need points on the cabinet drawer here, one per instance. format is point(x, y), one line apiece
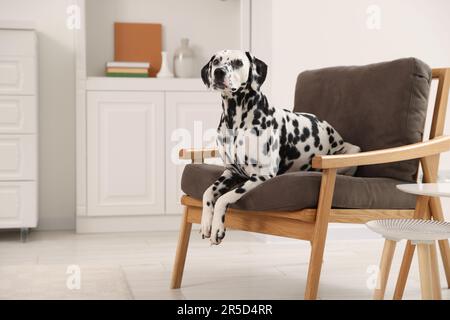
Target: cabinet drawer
point(18, 43)
point(17, 75)
point(18, 157)
point(18, 114)
point(18, 205)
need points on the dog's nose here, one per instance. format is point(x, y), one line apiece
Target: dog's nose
point(219, 74)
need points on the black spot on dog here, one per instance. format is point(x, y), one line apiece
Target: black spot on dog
point(230, 113)
point(290, 138)
point(314, 128)
point(236, 64)
point(240, 190)
point(275, 123)
point(307, 148)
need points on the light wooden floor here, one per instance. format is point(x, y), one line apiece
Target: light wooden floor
point(138, 266)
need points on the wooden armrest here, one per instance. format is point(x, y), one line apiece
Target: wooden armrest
point(198, 155)
point(408, 152)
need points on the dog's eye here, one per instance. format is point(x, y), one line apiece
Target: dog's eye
point(216, 62)
point(236, 63)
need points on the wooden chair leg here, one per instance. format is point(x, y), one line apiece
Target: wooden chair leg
point(180, 257)
point(385, 267)
point(404, 270)
point(435, 273)
point(320, 233)
point(426, 281)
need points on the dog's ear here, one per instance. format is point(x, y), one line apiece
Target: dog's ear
point(205, 73)
point(258, 72)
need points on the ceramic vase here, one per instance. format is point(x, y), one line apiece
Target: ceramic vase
point(164, 72)
point(184, 60)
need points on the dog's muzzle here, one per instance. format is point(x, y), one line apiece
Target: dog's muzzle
point(219, 78)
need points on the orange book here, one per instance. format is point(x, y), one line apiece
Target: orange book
point(139, 42)
point(126, 70)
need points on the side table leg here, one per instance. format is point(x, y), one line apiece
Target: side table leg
point(435, 273)
point(404, 270)
point(426, 281)
point(385, 267)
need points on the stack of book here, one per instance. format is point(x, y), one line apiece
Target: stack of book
point(127, 69)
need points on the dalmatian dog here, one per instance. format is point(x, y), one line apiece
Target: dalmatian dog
point(256, 141)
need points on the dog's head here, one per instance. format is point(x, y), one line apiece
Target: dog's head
point(230, 70)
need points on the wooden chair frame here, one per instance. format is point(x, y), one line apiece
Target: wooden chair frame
point(312, 224)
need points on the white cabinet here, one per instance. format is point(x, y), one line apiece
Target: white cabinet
point(125, 143)
point(18, 129)
point(191, 121)
point(134, 131)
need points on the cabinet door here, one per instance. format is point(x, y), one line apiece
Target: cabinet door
point(125, 165)
point(191, 122)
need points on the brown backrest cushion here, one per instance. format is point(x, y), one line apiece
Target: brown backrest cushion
point(376, 106)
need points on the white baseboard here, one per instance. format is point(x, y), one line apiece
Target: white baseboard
point(127, 224)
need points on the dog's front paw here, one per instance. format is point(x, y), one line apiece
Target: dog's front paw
point(207, 217)
point(217, 229)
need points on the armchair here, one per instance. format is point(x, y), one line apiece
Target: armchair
point(395, 92)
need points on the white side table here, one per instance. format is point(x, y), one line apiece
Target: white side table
point(422, 233)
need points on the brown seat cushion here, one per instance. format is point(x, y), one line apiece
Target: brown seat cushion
point(300, 190)
point(376, 106)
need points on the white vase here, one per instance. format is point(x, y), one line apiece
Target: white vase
point(164, 72)
point(184, 61)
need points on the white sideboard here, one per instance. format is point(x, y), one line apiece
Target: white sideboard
point(18, 129)
point(134, 129)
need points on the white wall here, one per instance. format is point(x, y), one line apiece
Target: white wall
point(314, 34)
point(211, 25)
point(57, 107)
point(261, 38)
